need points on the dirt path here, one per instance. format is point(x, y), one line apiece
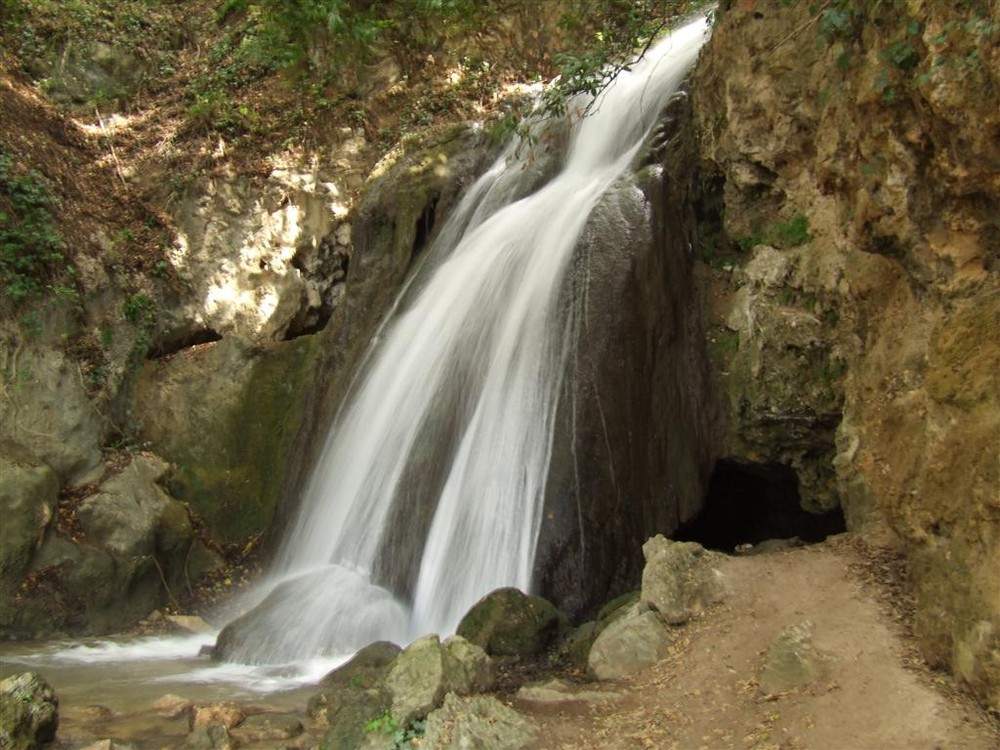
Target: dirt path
point(875, 693)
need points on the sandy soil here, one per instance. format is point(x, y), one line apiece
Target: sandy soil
point(875, 694)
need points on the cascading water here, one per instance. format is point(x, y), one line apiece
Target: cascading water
point(470, 364)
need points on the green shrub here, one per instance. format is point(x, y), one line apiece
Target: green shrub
point(32, 263)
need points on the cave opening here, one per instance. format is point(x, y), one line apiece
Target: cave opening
point(747, 504)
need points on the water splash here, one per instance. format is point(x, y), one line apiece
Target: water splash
point(450, 424)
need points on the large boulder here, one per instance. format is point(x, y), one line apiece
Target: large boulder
point(427, 670)
point(477, 723)
point(680, 579)
point(633, 641)
point(29, 712)
point(508, 622)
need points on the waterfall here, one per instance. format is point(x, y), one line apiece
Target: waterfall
point(452, 413)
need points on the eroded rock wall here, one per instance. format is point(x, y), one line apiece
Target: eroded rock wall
point(854, 321)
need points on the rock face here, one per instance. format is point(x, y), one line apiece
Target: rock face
point(28, 498)
point(29, 712)
point(854, 328)
point(636, 428)
point(508, 622)
point(132, 547)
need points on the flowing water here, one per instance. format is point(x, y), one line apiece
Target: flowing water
point(445, 440)
point(470, 364)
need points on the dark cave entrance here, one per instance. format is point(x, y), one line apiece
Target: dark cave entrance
point(752, 503)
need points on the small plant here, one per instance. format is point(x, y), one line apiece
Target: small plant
point(32, 263)
point(787, 234)
point(402, 737)
point(384, 724)
point(139, 309)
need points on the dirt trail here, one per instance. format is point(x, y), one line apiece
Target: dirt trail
point(876, 694)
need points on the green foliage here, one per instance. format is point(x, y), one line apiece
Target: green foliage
point(32, 264)
point(782, 234)
point(139, 309)
point(402, 737)
point(621, 31)
point(384, 724)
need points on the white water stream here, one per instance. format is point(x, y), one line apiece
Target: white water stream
point(470, 363)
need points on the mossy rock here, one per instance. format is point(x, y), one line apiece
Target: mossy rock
point(508, 622)
point(365, 669)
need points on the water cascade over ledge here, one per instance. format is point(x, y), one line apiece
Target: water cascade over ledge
point(449, 423)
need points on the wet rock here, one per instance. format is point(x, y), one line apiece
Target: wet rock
point(29, 712)
point(633, 641)
point(680, 579)
point(213, 736)
point(365, 668)
point(792, 660)
point(508, 622)
point(427, 670)
point(171, 706)
point(364, 672)
point(226, 713)
point(477, 723)
point(226, 415)
point(261, 727)
point(350, 718)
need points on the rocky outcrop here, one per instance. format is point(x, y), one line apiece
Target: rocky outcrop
point(852, 323)
point(120, 551)
point(29, 712)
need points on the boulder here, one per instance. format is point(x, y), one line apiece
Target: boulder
point(633, 641)
point(792, 660)
point(508, 622)
point(427, 670)
point(477, 723)
point(364, 672)
point(680, 579)
point(365, 668)
point(29, 712)
point(352, 717)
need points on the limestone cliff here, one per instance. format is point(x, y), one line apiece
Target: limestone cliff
point(853, 150)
